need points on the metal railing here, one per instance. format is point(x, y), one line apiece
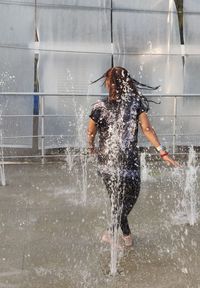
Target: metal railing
point(42, 116)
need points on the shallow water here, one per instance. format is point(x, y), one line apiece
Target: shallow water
point(50, 233)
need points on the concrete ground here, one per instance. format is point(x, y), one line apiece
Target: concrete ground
point(52, 217)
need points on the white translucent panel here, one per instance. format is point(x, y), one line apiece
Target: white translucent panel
point(163, 70)
point(15, 2)
point(18, 78)
point(162, 120)
point(192, 34)
point(145, 33)
point(71, 129)
point(16, 70)
point(188, 125)
point(87, 3)
point(71, 72)
point(163, 125)
point(191, 74)
point(18, 24)
point(68, 121)
point(154, 5)
point(58, 129)
point(191, 5)
point(166, 141)
point(51, 142)
point(15, 128)
point(188, 140)
point(188, 106)
point(74, 29)
point(165, 108)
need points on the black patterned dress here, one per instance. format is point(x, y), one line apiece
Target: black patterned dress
point(118, 158)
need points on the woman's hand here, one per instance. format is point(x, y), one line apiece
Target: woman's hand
point(169, 160)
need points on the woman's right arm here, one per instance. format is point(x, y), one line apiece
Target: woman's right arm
point(151, 136)
point(91, 132)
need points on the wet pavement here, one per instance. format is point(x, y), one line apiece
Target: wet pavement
point(52, 219)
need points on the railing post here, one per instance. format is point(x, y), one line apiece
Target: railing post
point(174, 125)
point(42, 128)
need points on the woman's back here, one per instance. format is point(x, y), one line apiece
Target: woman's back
point(117, 124)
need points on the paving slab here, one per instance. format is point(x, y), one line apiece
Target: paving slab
point(52, 219)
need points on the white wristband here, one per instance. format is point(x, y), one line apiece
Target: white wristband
point(159, 148)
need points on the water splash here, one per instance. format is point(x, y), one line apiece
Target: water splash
point(2, 168)
point(145, 176)
point(80, 119)
point(2, 172)
point(169, 43)
point(84, 177)
point(69, 158)
point(3, 107)
point(80, 114)
point(114, 253)
point(186, 207)
point(190, 185)
point(170, 19)
point(115, 247)
point(6, 80)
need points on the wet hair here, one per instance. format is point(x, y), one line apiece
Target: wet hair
point(121, 83)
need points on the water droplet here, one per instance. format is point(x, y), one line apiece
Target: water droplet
point(184, 270)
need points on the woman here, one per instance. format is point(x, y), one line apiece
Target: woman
point(116, 121)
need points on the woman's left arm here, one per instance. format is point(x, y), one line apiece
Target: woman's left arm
point(151, 136)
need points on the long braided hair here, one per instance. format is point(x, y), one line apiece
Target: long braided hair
point(121, 83)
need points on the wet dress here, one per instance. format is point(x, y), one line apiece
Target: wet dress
point(118, 158)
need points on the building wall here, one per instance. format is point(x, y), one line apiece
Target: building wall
point(75, 42)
